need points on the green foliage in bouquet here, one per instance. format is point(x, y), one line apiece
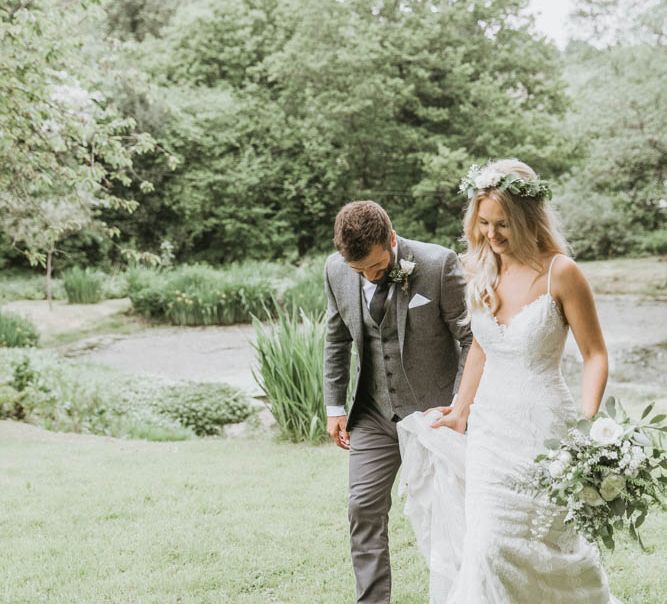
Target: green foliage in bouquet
point(605, 474)
point(206, 408)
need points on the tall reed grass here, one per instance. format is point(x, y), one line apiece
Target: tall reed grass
point(83, 286)
point(290, 352)
point(16, 331)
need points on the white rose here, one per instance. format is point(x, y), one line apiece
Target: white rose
point(488, 179)
point(606, 431)
point(612, 486)
point(638, 454)
point(556, 468)
point(565, 458)
point(406, 266)
point(590, 496)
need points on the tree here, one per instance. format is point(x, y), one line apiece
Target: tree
point(614, 198)
point(65, 148)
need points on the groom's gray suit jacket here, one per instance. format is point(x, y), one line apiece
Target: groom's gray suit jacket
point(430, 360)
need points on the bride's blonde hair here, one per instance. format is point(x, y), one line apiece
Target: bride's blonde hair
point(534, 232)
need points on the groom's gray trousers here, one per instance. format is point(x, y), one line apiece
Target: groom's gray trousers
point(374, 461)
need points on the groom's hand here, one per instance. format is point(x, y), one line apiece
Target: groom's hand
point(337, 429)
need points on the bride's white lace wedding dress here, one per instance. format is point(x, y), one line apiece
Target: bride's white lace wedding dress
point(473, 527)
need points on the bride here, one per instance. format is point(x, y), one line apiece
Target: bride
point(484, 541)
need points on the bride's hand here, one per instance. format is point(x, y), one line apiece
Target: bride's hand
point(442, 410)
point(451, 418)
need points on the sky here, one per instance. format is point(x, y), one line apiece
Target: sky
point(551, 18)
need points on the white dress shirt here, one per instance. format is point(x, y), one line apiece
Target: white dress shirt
point(368, 288)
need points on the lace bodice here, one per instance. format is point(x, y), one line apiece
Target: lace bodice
point(534, 337)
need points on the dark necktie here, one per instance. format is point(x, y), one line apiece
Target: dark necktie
point(376, 307)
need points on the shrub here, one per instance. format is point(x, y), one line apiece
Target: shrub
point(206, 408)
point(146, 289)
point(307, 292)
point(290, 354)
point(57, 395)
point(200, 295)
point(115, 286)
point(83, 286)
point(26, 286)
point(16, 331)
point(654, 243)
point(594, 227)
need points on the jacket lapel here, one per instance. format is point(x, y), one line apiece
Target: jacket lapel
point(403, 297)
point(356, 319)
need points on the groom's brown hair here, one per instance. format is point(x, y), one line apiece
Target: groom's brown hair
point(359, 226)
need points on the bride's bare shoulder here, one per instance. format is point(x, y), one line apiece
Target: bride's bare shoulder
point(567, 277)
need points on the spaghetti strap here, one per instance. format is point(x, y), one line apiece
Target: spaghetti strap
point(551, 265)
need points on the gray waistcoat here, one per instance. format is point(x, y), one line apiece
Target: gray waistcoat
point(382, 381)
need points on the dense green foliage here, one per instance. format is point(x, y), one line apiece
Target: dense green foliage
point(16, 331)
point(614, 200)
point(276, 112)
point(205, 408)
point(282, 111)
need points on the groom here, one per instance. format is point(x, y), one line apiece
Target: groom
point(399, 302)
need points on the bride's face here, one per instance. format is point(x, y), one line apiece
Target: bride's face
point(493, 225)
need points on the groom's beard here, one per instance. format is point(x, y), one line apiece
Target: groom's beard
point(384, 277)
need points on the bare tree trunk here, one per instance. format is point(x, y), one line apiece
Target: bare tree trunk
point(49, 267)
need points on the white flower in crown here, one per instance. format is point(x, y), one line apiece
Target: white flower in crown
point(606, 431)
point(407, 266)
point(487, 179)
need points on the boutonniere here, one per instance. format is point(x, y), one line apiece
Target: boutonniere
point(401, 273)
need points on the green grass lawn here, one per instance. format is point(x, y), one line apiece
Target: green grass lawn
point(94, 519)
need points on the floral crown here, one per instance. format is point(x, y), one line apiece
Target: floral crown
point(487, 178)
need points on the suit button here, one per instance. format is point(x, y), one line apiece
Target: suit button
point(386, 357)
point(392, 390)
point(389, 374)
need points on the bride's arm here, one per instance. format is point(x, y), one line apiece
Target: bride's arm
point(572, 291)
point(457, 416)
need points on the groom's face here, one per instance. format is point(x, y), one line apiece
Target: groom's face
point(379, 260)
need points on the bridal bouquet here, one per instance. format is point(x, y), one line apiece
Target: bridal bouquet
point(604, 474)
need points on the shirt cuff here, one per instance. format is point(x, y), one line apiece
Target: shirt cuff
point(335, 411)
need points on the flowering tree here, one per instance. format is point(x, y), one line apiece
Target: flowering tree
point(65, 150)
